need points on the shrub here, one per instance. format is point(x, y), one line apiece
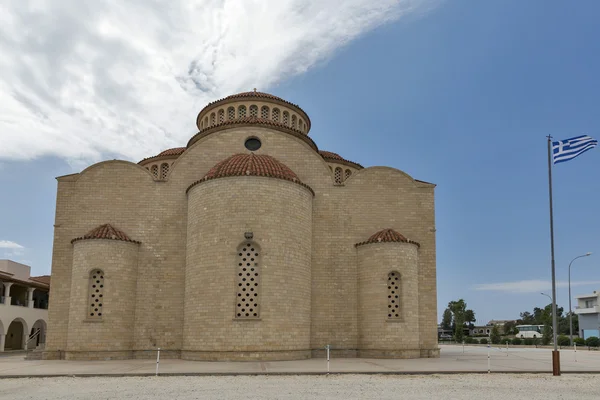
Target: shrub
point(517, 341)
point(579, 341)
point(475, 340)
point(563, 340)
point(528, 341)
point(505, 339)
point(483, 341)
point(469, 340)
point(592, 341)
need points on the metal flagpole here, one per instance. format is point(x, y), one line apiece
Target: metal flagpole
point(555, 353)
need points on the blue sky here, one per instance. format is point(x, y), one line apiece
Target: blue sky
point(459, 93)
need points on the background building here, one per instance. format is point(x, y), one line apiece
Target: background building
point(23, 307)
point(588, 311)
point(248, 243)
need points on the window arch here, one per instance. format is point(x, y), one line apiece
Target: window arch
point(231, 113)
point(241, 111)
point(264, 112)
point(254, 110)
point(338, 175)
point(347, 174)
point(206, 121)
point(276, 114)
point(96, 294)
point(202, 124)
point(300, 123)
point(164, 170)
point(247, 275)
point(212, 119)
point(394, 295)
point(154, 170)
point(286, 118)
point(293, 121)
point(221, 116)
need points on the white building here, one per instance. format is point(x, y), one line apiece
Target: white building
point(23, 307)
point(588, 311)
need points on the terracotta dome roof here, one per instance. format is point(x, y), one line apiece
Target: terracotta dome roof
point(251, 165)
point(106, 231)
point(331, 156)
point(175, 151)
point(255, 94)
point(387, 236)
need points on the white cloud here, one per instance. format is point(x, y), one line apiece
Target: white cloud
point(7, 244)
point(529, 286)
point(79, 79)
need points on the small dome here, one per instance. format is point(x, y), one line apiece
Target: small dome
point(251, 165)
point(106, 231)
point(173, 153)
point(256, 94)
point(387, 236)
point(335, 157)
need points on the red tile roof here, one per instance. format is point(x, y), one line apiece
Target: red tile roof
point(106, 231)
point(331, 156)
point(387, 236)
point(176, 151)
point(251, 165)
point(45, 279)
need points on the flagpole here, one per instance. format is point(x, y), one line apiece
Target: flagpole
point(555, 353)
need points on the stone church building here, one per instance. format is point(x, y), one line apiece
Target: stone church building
point(249, 243)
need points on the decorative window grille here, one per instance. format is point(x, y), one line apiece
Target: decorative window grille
point(286, 118)
point(264, 112)
point(394, 298)
point(154, 170)
point(241, 111)
point(293, 121)
point(247, 274)
point(348, 173)
point(300, 124)
point(276, 114)
point(96, 294)
point(212, 119)
point(253, 110)
point(338, 175)
point(164, 170)
point(231, 113)
point(221, 116)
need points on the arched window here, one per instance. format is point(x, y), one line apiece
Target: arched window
point(264, 112)
point(96, 294)
point(254, 110)
point(293, 121)
point(338, 175)
point(276, 114)
point(201, 124)
point(286, 118)
point(394, 297)
point(221, 116)
point(154, 170)
point(241, 111)
point(347, 174)
point(206, 121)
point(164, 170)
point(300, 124)
point(231, 113)
point(212, 119)
point(247, 276)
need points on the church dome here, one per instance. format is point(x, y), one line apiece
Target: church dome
point(251, 165)
point(253, 108)
point(387, 236)
point(106, 231)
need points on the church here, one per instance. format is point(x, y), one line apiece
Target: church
point(248, 243)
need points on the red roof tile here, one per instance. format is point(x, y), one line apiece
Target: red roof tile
point(45, 279)
point(387, 236)
point(106, 231)
point(331, 156)
point(176, 151)
point(251, 165)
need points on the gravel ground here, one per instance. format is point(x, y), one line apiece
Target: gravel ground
point(447, 387)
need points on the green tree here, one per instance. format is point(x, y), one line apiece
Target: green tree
point(510, 328)
point(447, 319)
point(526, 318)
point(563, 340)
point(495, 335)
point(460, 317)
point(592, 341)
point(546, 334)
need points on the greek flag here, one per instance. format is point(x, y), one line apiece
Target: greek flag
point(565, 150)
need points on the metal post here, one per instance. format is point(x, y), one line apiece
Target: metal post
point(507, 348)
point(157, 361)
point(570, 309)
point(555, 353)
point(327, 347)
point(575, 348)
point(463, 347)
point(489, 369)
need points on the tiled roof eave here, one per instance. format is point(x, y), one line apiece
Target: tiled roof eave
point(105, 238)
point(159, 158)
point(254, 122)
point(387, 241)
point(205, 179)
point(343, 162)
